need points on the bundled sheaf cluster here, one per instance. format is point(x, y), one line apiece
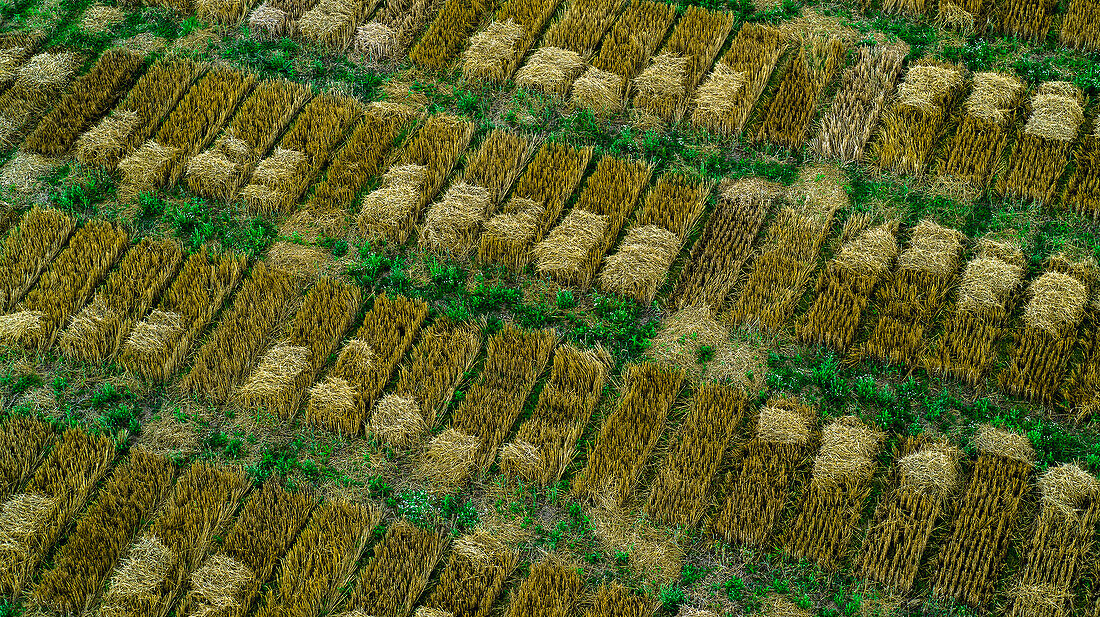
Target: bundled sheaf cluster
point(228, 582)
point(321, 561)
point(398, 572)
point(1083, 189)
point(23, 443)
point(922, 480)
point(569, 43)
point(969, 564)
point(912, 126)
point(139, 115)
point(31, 521)
point(1081, 25)
point(475, 575)
point(28, 250)
point(681, 492)
point(664, 88)
point(547, 441)
point(495, 53)
point(572, 251)
point(812, 68)
point(911, 297)
point(1081, 387)
point(40, 82)
point(264, 302)
point(641, 264)
point(847, 126)
point(757, 492)
point(363, 368)
point(389, 34)
point(534, 206)
point(726, 242)
point(448, 32)
point(15, 48)
point(1026, 19)
point(158, 344)
point(986, 299)
point(725, 100)
point(332, 23)
point(280, 179)
point(391, 212)
point(779, 274)
point(988, 119)
point(81, 565)
point(845, 287)
point(552, 589)
point(603, 87)
point(91, 96)
point(629, 434)
point(1042, 152)
point(281, 378)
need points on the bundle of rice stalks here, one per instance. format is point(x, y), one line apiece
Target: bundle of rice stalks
point(551, 70)
point(474, 577)
point(969, 564)
point(757, 494)
point(848, 124)
point(280, 179)
point(614, 599)
point(664, 88)
point(967, 347)
point(990, 113)
point(392, 211)
point(263, 303)
point(139, 115)
point(918, 113)
point(909, 300)
point(331, 23)
point(552, 589)
point(1083, 189)
point(667, 216)
point(845, 287)
point(39, 84)
point(451, 225)
point(279, 381)
point(28, 249)
point(495, 53)
point(15, 48)
point(148, 581)
point(1059, 544)
point(229, 13)
point(1042, 152)
point(220, 171)
point(498, 162)
point(322, 560)
point(725, 100)
point(1026, 19)
point(572, 251)
point(546, 442)
point(365, 364)
point(294, 8)
point(779, 274)
point(726, 242)
point(24, 172)
point(630, 432)
point(399, 571)
point(832, 508)
point(912, 7)
point(535, 205)
point(809, 73)
point(1081, 25)
point(448, 32)
point(1054, 311)
point(269, 22)
point(96, 333)
point(394, 28)
point(81, 565)
point(681, 492)
point(23, 443)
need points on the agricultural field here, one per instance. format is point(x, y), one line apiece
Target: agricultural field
point(600, 308)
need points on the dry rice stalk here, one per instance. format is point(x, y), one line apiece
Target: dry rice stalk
point(398, 421)
point(853, 117)
point(331, 23)
point(491, 51)
point(1081, 25)
point(848, 448)
point(449, 459)
point(1042, 152)
point(270, 22)
point(376, 41)
point(279, 368)
point(452, 224)
point(600, 91)
point(551, 70)
point(566, 247)
point(1005, 444)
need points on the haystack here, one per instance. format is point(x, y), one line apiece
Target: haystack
point(143, 570)
point(998, 442)
point(107, 140)
point(954, 17)
point(397, 421)
point(99, 18)
point(48, 70)
point(522, 459)
point(277, 371)
point(784, 424)
point(565, 249)
point(925, 85)
point(452, 224)
point(213, 169)
point(269, 22)
point(450, 458)
point(933, 470)
point(1068, 488)
point(551, 70)
point(333, 398)
point(491, 51)
point(23, 171)
point(987, 284)
point(147, 168)
point(993, 96)
point(376, 41)
point(265, 193)
point(683, 334)
point(933, 249)
point(716, 99)
point(23, 517)
point(331, 23)
point(1057, 303)
point(1056, 112)
point(218, 582)
point(639, 267)
point(385, 210)
point(872, 252)
point(848, 449)
point(300, 261)
point(664, 78)
point(155, 334)
point(600, 91)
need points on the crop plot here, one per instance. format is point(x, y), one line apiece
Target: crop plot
point(568, 44)
point(1081, 25)
point(448, 32)
point(223, 12)
point(494, 53)
point(15, 49)
point(989, 115)
point(23, 444)
point(475, 575)
point(552, 589)
point(849, 123)
point(726, 98)
point(1043, 150)
point(812, 68)
point(915, 121)
point(1025, 19)
point(39, 83)
point(331, 23)
point(1083, 189)
point(393, 28)
point(399, 570)
point(28, 250)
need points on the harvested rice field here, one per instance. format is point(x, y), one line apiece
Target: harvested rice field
point(554, 308)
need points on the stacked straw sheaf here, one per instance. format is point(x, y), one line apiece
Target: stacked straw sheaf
point(495, 53)
point(784, 267)
point(628, 435)
point(15, 48)
point(641, 264)
point(331, 23)
point(228, 583)
point(39, 84)
point(665, 87)
point(398, 572)
point(840, 484)
point(321, 561)
point(1081, 25)
point(967, 348)
point(849, 123)
point(158, 344)
point(552, 589)
point(514, 361)
point(139, 115)
point(28, 249)
point(392, 211)
point(282, 377)
point(393, 29)
point(681, 492)
point(911, 297)
point(726, 242)
point(96, 333)
point(1083, 189)
point(281, 178)
point(81, 566)
point(33, 520)
point(988, 119)
point(547, 441)
point(922, 480)
point(474, 577)
point(615, 599)
point(1026, 19)
point(1042, 152)
point(969, 565)
point(603, 87)
point(572, 251)
point(918, 113)
point(811, 70)
point(340, 403)
point(725, 100)
point(845, 287)
point(448, 32)
point(912, 7)
point(220, 171)
point(23, 443)
point(569, 43)
point(534, 206)
point(147, 582)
